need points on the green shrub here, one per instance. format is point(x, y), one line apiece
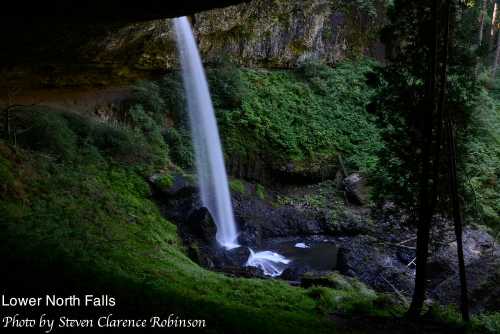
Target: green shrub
point(71, 137)
point(119, 142)
point(180, 148)
point(325, 298)
point(351, 298)
point(172, 92)
point(448, 314)
point(237, 186)
point(227, 85)
point(306, 117)
point(148, 94)
point(47, 131)
point(487, 323)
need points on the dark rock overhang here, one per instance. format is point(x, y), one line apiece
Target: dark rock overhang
point(52, 43)
point(92, 11)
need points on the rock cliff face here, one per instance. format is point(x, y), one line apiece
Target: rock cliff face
point(269, 33)
point(273, 33)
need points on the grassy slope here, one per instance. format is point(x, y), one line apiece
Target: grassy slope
point(96, 220)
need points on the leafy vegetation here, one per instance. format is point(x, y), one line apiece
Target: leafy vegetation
point(482, 154)
point(282, 109)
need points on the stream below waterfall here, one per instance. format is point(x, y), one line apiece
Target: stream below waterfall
point(313, 253)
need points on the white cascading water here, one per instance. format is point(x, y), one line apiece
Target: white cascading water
point(271, 263)
point(212, 177)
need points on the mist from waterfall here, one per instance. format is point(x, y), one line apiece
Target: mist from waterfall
point(212, 176)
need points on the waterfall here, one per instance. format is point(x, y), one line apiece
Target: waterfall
point(212, 177)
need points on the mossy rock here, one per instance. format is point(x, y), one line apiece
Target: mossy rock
point(173, 184)
point(336, 281)
point(330, 280)
point(166, 181)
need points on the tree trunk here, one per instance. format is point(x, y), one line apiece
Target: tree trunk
point(425, 210)
point(457, 218)
point(482, 17)
point(452, 171)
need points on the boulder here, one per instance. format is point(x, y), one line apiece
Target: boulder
point(201, 255)
point(348, 223)
point(354, 187)
point(201, 225)
point(236, 257)
point(482, 260)
point(259, 220)
point(364, 258)
point(483, 283)
point(294, 274)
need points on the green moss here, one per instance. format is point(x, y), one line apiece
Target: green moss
point(237, 186)
point(298, 47)
point(260, 191)
point(166, 181)
point(347, 296)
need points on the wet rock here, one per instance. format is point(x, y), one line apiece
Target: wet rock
point(482, 259)
point(483, 280)
point(202, 225)
point(200, 256)
point(262, 33)
point(348, 223)
point(375, 265)
point(246, 272)
point(477, 242)
point(354, 185)
point(236, 257)
point(294, 273)
point(259, 220)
